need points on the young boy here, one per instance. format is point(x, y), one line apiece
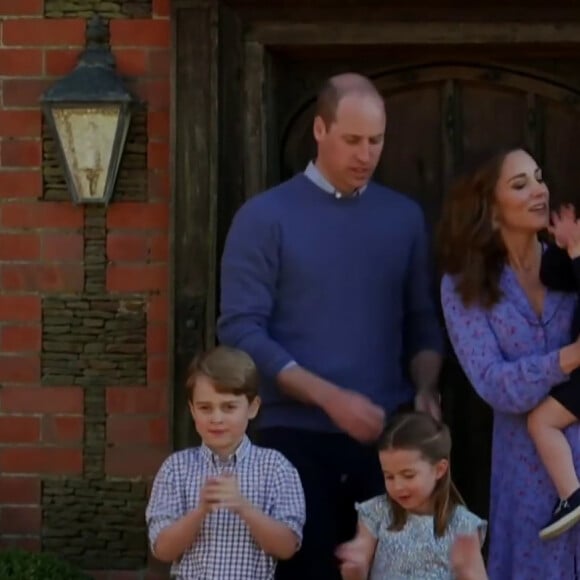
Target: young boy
point(226, 509)
point(560, 270)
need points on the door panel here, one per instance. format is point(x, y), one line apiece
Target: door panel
point(562, 151)
point(438, 118)
point(412, 157)
point(491, 115)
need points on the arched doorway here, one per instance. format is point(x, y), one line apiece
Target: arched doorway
point(438, 117)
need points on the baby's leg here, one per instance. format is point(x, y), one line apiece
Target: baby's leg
point(545, 425)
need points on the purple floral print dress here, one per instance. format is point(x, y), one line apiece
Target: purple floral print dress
point(510, 356)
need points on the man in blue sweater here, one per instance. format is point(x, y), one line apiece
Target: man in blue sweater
point(326, 284)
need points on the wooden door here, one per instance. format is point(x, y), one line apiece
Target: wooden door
point(439, 117)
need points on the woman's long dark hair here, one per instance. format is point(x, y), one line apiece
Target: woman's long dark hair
point(431, 438)
point(468, 244)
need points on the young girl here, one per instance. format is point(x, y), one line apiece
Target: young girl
point(560, 270)
point(409, 532)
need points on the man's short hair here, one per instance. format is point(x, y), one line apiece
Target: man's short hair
point(336, 88)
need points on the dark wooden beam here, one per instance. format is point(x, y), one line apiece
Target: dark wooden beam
point(283, 33)
point(195, 123)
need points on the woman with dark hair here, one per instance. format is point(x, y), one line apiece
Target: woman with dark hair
point(511, 336)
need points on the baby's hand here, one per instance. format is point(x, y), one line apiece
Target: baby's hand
point(564, 225)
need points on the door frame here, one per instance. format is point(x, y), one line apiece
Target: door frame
point(221, 99)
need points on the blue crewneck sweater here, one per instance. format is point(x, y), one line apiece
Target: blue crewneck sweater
point(341, 286)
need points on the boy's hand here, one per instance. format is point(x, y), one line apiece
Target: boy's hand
point(224, 492)
point(206, 503)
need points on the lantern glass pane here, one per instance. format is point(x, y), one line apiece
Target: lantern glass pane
point(87, 137)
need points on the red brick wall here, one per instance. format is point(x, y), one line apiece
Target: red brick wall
point(41, 251)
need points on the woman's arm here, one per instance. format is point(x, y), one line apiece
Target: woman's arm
point(508, 386)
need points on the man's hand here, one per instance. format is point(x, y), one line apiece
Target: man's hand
point(223, 492)
point(429, 401)
point(356, 415)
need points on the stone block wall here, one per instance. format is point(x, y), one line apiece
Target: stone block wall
point(84, 343)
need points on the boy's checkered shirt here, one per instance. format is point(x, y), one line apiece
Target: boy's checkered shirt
point(225, 549)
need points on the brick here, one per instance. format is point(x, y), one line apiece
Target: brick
point(161, 8)
point(44, 32)
point(122, 575)
point(20, 339)
point(158, 124)
point(159, 63)
point(21, 8)
point(19, 308)
point(23, 93)
point(17, 62)
point(41, 215)
point(28, 544)
point(131, 430)
point(42, 277)
point(132, 216)
point(159, 185)
point(59, 62)
point(20, 123)
point(19, 490)
point(19, 247)
point(129, 462)
point(60, 429)
point(21, 520)
point(157, 339)
point(158, 155)
point(132, 62)
point(19, 429)
point(127, 247)
point(159, 248)
point(64, 400)
point(140, 32)
point(136, 400)
point(17, 153)
point(62, 247)
point(156, 93)
point(19, 368)
point(151, 575)
point(157, 369)
point(137, 278)
point(20, 184)
point(158, 309)
point(45, 460)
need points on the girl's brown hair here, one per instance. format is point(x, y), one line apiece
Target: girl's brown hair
point(420, 432)
point(469, 246)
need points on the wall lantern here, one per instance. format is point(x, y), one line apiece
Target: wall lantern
point(89, 112)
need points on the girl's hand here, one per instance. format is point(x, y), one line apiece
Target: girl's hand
point(354, 559)
point(563, 225)
point(466, 560)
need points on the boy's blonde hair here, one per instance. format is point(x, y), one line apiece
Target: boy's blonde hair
point(230, 371)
